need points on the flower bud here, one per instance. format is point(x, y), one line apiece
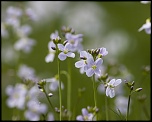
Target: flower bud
point(50, 94)
point(138, 89)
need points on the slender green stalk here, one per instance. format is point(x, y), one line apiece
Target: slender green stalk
point(69, 89)
point(60, 94)
point(94, 93)
point(49, 100)
point(128, 106)
point(106, 106)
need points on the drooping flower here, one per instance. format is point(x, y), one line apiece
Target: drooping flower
point(86, 116)
point(110, 87)
point(94, 67)
point(66, 51)
point(146, 27)
point(16, 95)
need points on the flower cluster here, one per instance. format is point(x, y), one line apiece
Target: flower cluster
point(91, 61)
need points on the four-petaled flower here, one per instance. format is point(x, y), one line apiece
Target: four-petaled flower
point(94, 67)
point(110, 87)
point(146, 26)
point(66, 51)
point(86, 116)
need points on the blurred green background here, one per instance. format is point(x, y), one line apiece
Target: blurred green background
point(113, 25)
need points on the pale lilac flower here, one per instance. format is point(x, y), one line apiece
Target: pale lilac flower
point(50, 117)
point(25, 72)
point(54, 84)
point(146, 27)
point(75, 41)
point(86, 116)
point(82, 64)
point(31, 14)
point(35, 109)
point(54, 35)
point(14, 11)
point(12, 21)
point(110, 87)
point(25, 44)
point(51, 55)
point(121, 104)
point(16, 95)
point(66, 51)
point(145, 2)
point(94, 67)
point(103, 52)
point(24, 30)
point(4, 32)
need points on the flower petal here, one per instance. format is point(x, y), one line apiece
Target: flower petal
point(107, 91)
point(84, 112)
point(98, 62)
point(61, 47)
point(49, 57)
point(80, 64)
point(70, 54)
point(80, 118)
point(62, 56)
point(117, 82)
point(112, 93)
point(111, 82)
point(90, 72)
point(97, 71)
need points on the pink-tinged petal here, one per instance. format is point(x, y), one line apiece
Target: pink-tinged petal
point(61, 47)
point(70, 54)
point(84, 112)
point(80, 64)
point(111, 93)
point(80, 118)
point(62, 56)
point(90, 72)
point(107, 91)
point(117, 82)
point(112, 82)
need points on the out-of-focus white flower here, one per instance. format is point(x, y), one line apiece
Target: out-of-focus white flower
point(31, 14)
point(14, 11)
point(4, 32)
point(51, 54)
point(50, 117)
point(25, 44)
point(35, 109)
point(145, 2)
point(146, 27)
point(121, 104)
point(24, 30)
point(16, 95)
point(25, 72)
point(86, 116)
point(110, 87)
point(54, 84)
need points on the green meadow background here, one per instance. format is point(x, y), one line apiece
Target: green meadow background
point(113, 25)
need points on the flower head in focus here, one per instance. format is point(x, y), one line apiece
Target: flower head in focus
point(110, 87)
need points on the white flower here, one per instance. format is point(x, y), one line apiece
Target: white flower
point(51, 55)
point(50, 117)
point(146, 26)
point(66, 51)
point(110, 87)
point(35, 109)
point(16, 96)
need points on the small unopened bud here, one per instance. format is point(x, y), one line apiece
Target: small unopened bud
point(41, 89)
point(50, 94)
point(132, 87)
point(97, 51)
point(138, 89)
point(64, 43)
point(133, 83)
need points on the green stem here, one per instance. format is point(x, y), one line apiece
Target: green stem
point(106, 106)
point(60, 94)
point(94, 92)
point(128, 106)
point(69, 89)
point(49, 100)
